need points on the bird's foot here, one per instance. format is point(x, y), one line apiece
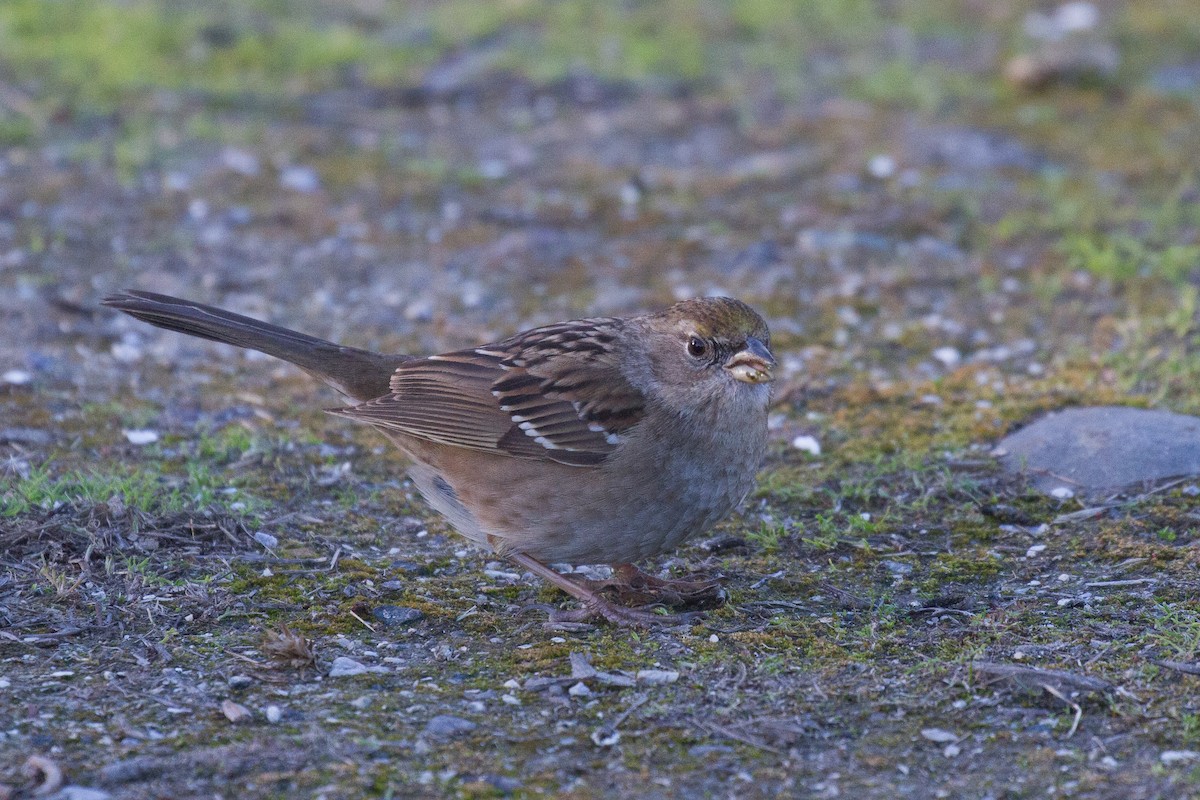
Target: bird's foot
point(646, 616)
point(629, 586)
point(597, 607)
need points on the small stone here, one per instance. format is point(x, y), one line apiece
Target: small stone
point(615, 679)
point(141, 436)
point(939, 735)
point(344, 666)
point(300, 179)
point(948, 356)
point(605, 737)
point(1062, 493)
point(235, 712)
point(394, 616)
point(951, 750)
point(579, 690)
point(240, 161)
point(581, 666)
point(509, 699)
point(657, 676)
point(126, 353)
point(1034, 550)
point(274, 713)
point(1178, 756)
point(444, 726)
point(239, 682)
point(17, 377)
point(31, 436)
point(266, 540)
point(808, 444)
point(392, 586)
point(881, 167)
point(79, 793)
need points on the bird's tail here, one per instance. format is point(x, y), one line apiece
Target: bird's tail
point(358, 374)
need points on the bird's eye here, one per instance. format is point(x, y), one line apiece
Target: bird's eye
point(697, 347)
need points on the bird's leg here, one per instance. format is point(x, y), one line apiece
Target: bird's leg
point(594, 605)
point(631, 586)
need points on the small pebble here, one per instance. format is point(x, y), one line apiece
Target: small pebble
point(1178, 756)
point(393, 616)
point(300, 179)
point(939, 735)
point(605, 737)
point(79, 793)
point(17, 377)
point(235, 712)
point(948, 356)
point(1062, 493)
point(141, 436)
point(240, 161)
point(657, 676)
point(881, 167)
point(579, 690)
point(266, 539)
point(274, 713)
point(444, 726)
point(808, 444)
point(240, 681)
point(344, 666)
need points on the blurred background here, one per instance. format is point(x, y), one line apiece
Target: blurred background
point(955, 215)
point(900, 185)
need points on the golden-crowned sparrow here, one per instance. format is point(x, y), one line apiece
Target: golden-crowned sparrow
point(592, 441)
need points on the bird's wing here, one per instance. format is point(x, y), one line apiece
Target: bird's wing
point(555, 393)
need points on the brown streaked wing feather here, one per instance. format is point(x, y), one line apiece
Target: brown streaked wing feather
point(554, 393)
point(444, 399)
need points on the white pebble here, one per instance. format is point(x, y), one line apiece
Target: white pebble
point(654, 676)
point(948, 356)
point(300, 179)
point(266, 539)
point(1062, 493)
point(579, 690)
point(17, 377)
point(1034, 550)
point(808, 444)
point(939, 735)
point(1078, 16)
point(343, 666)
point(1177, 756)
point(240, 161)
point(274, 714)
point(141, 436)
point(881, 167)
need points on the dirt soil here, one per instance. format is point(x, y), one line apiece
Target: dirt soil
point(210, 588)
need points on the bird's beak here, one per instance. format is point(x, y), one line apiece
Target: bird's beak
point(753, 363)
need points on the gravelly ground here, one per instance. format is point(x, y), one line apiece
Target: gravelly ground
point(170, 617)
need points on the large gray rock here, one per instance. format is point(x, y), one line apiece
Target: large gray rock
point(1103, 448)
